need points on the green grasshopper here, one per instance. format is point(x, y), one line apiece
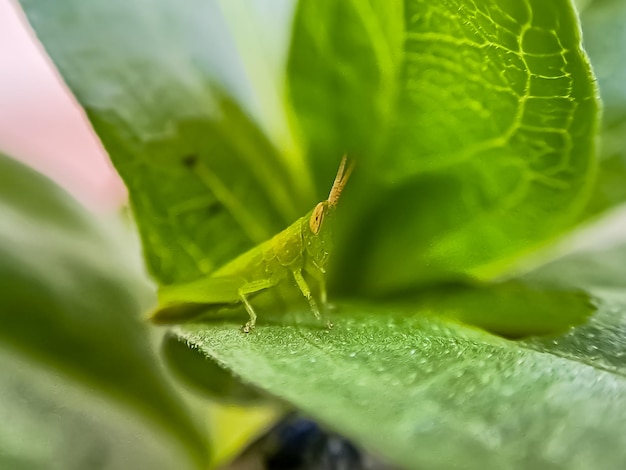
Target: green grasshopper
point(303, 247)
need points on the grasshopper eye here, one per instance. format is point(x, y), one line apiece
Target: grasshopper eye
point(317, 217)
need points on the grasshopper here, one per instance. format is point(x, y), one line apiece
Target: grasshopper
point(303, 247)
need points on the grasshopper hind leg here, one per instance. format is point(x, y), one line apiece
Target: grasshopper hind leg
point(250, 324)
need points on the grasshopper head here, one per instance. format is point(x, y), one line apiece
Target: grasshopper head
point(319, 242)
point(317, 217)
point(324, 207)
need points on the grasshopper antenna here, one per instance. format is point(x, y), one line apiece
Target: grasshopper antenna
point(344, 172)
point(317, 216)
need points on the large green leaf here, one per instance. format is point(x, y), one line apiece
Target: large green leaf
point(71, 298)
point(473, 124)
point(204, 182)
point(425, 392)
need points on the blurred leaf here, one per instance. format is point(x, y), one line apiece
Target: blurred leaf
point(603, 29)
point(204, 182)
point(473, 124)
point(205, 376)
point(599, 342)
point(70, 299)
point(261, 29)
point(425, 392)
point(601, 271)
point(52, 423)
point(605, 39)
point(600, 267)
point(513, 309)
point(234, 427)
point(236, 413)
point(343, 71)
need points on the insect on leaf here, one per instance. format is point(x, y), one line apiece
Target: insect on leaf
point(302, 249)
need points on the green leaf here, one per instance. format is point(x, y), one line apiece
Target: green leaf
point(71, 296)
point(343, 70)
point(425, 392)
point(205, 376)
point(52, 423)
point(602, 23)
point(205, 183)
point(473, 123)
point(603, 29)
point(513, 309)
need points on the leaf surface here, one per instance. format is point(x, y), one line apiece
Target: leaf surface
point(425, 392)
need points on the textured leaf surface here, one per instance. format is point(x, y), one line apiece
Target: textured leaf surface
point(429, 393)
point(204, 182)
point(473, 123)
point(71, 296)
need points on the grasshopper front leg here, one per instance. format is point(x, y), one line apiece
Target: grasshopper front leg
point(304, 288)
point(319, 275)
point(252, 288)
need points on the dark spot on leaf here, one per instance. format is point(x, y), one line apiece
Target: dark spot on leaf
point(190, 161)
point(214, 209)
